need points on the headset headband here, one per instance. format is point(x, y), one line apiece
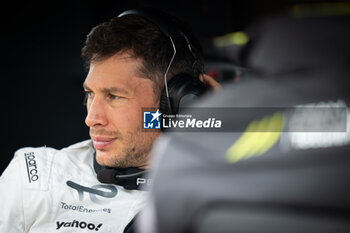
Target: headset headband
point(171, 28)
point(166, 23)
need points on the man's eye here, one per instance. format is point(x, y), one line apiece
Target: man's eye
point(113, 97)
point(88, 95)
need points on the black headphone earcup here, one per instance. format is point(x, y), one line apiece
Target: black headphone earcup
point(183, 89)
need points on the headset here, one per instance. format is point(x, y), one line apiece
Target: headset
point(179, 91)
point(131, 178)
point(183, 87)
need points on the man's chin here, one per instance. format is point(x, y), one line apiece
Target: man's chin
point(104, 158)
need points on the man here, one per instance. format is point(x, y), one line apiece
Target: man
point(49, 190)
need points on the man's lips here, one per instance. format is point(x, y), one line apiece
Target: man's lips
point(102, 142)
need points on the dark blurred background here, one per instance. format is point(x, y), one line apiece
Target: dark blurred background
point(42, 72)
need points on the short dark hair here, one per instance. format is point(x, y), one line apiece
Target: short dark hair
point(140, 38)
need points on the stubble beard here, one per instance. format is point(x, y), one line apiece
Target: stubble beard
point(135, 151)
point(138, 153)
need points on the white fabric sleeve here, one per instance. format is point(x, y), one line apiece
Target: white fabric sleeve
point(11, 199)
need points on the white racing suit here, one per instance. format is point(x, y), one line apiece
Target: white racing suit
point(47, 190)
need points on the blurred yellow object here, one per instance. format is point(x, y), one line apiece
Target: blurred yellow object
point(320, 9)
point(257, 139)
point(236, 38)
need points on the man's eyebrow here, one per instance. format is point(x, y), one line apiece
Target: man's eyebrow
point(114, 90)
point(108, 89)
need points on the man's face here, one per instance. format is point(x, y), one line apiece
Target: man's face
point(116, 95)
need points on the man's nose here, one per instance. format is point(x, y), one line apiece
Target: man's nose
point(96, 115)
